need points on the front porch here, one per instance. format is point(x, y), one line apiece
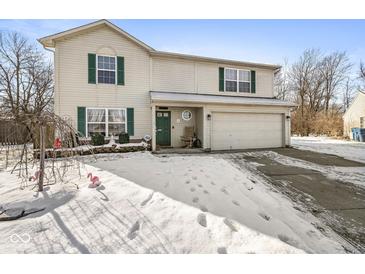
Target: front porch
point(177, 126)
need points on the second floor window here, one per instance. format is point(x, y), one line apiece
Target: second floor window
point(106, 69)
point(237, 80)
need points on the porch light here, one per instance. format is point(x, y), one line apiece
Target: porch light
point(209, 117)
point(288, 117)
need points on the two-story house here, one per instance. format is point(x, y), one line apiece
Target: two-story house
point(108, 81)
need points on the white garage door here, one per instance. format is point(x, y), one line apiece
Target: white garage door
point(246, 130)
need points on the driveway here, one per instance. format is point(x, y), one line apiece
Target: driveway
point(329, 186)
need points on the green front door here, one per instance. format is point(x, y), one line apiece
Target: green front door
point(163, 128)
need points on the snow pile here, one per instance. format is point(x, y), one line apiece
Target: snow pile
point(123, 217)
point(213, 184)
point(350, 150)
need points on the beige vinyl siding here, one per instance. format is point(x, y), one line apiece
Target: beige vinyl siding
point(72, 88)
point(177, 75)
point(173, 75)
point(352, 116)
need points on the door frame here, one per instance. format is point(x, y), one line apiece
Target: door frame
point(168, 111)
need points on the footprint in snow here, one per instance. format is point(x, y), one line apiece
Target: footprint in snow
point(200, 185)
point(264, 216)
point(195, 199)
point(133, 232)
point(235, 203)
point(224, 191)
point(202, 219)
point(187, 182)
point(212, 183)
point(195, 178)
point(203, 208)
point(222, 250)
point(206, 192)
point(229, 223)
point(192, 189)
point(288, 240)
point(148, 199)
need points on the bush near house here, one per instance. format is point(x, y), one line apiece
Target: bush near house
point(123, 138)
point(97, 139)
point(330, 124)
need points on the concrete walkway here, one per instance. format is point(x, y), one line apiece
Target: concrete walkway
point(341, 205)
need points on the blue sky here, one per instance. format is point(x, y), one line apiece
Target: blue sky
point(268, 41)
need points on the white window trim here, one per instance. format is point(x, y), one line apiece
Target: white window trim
point(238, 80)
point(97, 68)
point(106, 120)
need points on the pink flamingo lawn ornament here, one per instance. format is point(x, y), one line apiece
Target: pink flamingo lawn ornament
point(95, 182)
point(35, 176)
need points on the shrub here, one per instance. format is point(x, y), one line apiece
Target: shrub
point(123, 138)
point(97, 139)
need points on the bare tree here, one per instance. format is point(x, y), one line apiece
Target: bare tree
point(26, 91)
point(362, 74)
point(26, 79)
point(282, 83)
point(306, 82)
point(348, 94)
point(334, 69)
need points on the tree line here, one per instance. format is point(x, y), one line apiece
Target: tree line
point(323, 87)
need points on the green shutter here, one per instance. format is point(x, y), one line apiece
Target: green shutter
point(92, 68)
point(120, 70)
point(130, 121)
point(81, 120)
point(253, 81)
point(221, 79)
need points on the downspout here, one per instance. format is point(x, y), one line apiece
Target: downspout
point(54, 69)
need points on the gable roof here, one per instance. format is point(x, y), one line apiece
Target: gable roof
point(360, 94)
point(49, 42)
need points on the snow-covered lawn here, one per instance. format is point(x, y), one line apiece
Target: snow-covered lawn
point(348, 149)
point(177, 204)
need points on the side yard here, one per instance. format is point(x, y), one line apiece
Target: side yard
point(348, 149)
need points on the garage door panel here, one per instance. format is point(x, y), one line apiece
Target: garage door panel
point(246, 130)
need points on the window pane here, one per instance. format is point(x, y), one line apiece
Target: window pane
point(116, 115)
point(244, 75)
point(96, 115)
point(106, 62)
point(116, 129)
point(231, 86)
point(106, 77)
point(244, 86)
point(95, 128)
point(231, 74)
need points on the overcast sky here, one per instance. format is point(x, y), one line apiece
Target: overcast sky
point(268, 41)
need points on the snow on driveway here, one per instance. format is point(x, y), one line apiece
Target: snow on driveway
point(350, 150)
point(123, 217)
point(215, 185)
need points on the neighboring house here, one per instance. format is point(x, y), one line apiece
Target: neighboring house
point(355, 115)
point(107, 81)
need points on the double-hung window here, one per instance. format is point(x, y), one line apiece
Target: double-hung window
point(106, 69)
point(106, 121)
point(237, 80)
